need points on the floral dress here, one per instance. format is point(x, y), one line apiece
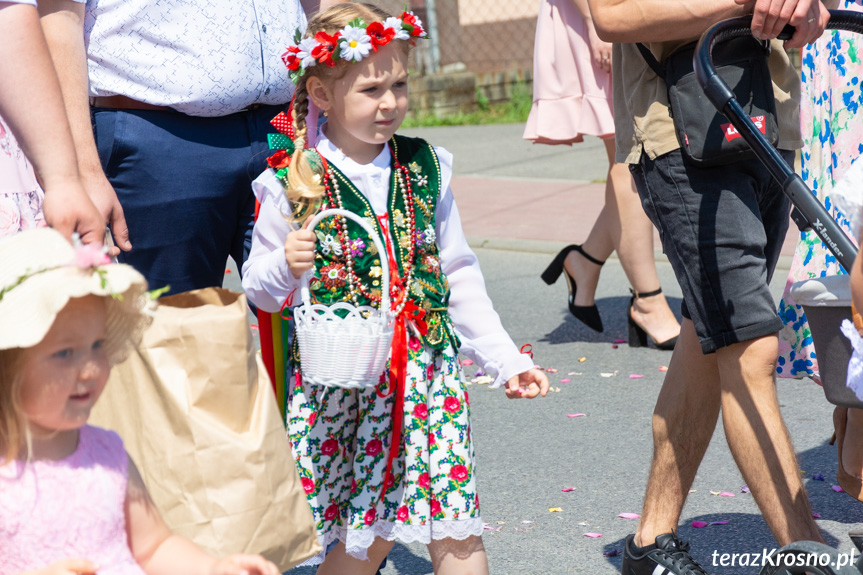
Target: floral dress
point(21, 195)
point(341, 438)
point(833, 139)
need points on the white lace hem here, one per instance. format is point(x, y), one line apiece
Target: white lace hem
point(358, 541)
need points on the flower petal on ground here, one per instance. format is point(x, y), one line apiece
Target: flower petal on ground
point(663, 368)
point(593, 535)
point(744, 489)
point(818, 477)
point(567, 489)
point(564, 381)
point(726, 494)
point(555, 510)
point(575, 414)
point(467, 362)
point(816, 515)
point(635, 376)
point(699, 524)
point(582, 359)
point(629, 515)
point(837, 489)
point(620, 340)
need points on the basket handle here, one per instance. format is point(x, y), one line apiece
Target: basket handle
point(385, 295)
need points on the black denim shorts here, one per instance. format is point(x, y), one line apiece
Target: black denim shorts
point(722, 229)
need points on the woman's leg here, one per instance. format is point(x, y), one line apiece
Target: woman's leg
point(454, 557)
point(631, 234)
point(338, 562)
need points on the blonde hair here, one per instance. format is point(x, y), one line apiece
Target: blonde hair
point(305, 182)
point(13, 424)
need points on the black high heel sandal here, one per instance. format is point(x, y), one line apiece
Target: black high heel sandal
point(637, 335)
point(587, 314)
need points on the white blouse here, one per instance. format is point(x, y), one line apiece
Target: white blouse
point(268, 282)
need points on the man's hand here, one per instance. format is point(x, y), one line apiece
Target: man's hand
point(769, 17)
point(68, 209)
point(104, 197)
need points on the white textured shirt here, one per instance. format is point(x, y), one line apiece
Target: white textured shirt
point(200, 57)
point(268, 282)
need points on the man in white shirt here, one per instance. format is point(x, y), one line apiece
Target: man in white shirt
point(179, 95)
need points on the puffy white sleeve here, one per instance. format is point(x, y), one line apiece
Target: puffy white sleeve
point(267, 280)
point(482, 335)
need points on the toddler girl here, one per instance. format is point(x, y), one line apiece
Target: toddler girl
point(395, 461)
point(71, 500)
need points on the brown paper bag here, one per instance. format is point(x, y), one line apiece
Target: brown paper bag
point(196, 411)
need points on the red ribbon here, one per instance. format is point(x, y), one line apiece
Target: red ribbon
point(398, 379)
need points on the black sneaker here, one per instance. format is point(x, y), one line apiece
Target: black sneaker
point(669, 556)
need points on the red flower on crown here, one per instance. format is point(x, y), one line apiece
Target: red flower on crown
point(380, 36)
point(327, 44)
point(290, 58)
point(416, 26)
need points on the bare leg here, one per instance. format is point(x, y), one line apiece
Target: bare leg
point(683, 422)
point(759, 440)
point(852, 448)
point(454, 557)
point(623, 226)
point(338, 562)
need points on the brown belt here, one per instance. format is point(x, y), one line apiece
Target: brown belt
point(125, 103)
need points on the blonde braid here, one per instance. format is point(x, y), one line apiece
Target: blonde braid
point(305, 184)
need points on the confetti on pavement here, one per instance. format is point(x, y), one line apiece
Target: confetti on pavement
point(567, 489)
point(837, 489)
point(744, 489)
point(629, 515)
point(726, 494)
point(635, 376)
point(565, 381)
point(575, 414)
point(593, 535)
point(699, 524)
point(582, 359)
point(555, 510)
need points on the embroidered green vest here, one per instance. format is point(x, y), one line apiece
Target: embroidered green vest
point(429, 288)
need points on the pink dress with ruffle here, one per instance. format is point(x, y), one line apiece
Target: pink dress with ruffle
point(72, 508)
point(571, 96)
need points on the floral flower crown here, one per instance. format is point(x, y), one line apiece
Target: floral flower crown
point(352, 43)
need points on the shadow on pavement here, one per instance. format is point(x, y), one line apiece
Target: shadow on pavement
point(613, 311)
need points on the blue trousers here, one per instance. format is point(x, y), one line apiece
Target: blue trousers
point(185, 186)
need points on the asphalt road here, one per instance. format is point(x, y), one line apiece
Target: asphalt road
point(528, 451)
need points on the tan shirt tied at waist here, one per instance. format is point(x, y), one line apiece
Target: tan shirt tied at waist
point(641, 117)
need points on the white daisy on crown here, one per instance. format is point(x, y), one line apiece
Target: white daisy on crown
point(352, 43)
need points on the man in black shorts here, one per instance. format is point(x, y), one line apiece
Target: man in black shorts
point(722, 229)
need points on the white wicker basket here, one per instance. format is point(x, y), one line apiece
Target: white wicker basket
point(351, 351)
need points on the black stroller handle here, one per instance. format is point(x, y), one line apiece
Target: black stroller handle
point(722, 97)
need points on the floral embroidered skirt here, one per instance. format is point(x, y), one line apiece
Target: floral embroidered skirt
point(340, 439)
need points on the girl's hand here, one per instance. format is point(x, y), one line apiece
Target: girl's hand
point(300, 250)
point(244, 565)
point(67, 567)
point(527, 385)
point(600, 50)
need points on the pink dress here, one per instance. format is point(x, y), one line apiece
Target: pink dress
point(20, 194)
point(571, 96)
point(72, 508)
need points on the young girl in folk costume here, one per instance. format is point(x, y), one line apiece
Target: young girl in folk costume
point(72, 501)
point(394, 461)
